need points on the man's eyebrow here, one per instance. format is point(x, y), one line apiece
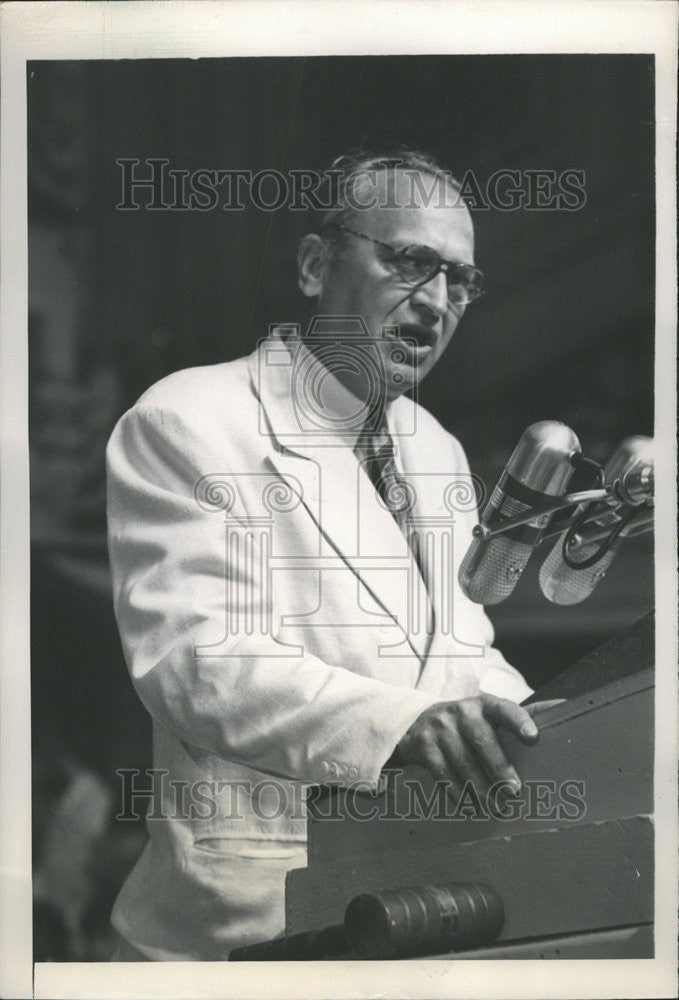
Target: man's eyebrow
point(405, 241)
point(402, 244)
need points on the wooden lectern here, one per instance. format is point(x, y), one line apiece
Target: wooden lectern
point(571, 859)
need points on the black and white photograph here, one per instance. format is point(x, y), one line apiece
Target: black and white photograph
point(346, 569)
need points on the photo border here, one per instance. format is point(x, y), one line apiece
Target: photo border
point(111, 30)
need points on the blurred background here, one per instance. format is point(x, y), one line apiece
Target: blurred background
point(118, 299)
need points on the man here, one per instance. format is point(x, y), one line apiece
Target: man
point(286, 622)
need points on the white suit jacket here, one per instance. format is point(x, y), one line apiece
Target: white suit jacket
point(276, 627)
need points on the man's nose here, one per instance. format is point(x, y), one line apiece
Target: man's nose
point(433, 294)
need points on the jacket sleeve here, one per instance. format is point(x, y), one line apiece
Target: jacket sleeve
point(299, 717)
point(497, 676)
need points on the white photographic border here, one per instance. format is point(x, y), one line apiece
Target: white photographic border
point(181, 28)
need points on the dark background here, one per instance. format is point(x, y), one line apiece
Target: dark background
point(119, 299)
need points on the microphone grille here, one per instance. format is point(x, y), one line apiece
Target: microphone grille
point(490, 570)
point(562, 585)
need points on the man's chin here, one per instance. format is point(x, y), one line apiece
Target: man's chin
point(403, 379)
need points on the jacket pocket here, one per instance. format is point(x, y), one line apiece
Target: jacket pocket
point(253, 847)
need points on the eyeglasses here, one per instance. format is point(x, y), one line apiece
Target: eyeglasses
point(416, 265)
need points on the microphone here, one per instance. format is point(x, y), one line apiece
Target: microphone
point(629, 478)
point(539, 469)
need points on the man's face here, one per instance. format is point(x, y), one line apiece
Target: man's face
point(358, 278)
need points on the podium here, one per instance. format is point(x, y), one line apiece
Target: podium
point(571, 858)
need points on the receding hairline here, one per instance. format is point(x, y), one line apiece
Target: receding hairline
point(370, 187)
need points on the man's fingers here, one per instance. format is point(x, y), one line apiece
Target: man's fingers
point(457, 742)
point(460, 753)
point(502, 712)
point(431, 757)
point(479, 734)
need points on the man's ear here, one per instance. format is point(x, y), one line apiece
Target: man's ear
point(312, 257)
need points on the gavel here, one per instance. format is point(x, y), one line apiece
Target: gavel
point(394, 923)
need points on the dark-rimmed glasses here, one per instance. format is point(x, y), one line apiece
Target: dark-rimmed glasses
point(416, 265)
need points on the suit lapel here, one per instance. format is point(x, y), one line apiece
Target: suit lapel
point(449, 661)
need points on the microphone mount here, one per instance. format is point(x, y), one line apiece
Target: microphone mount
point(549, 507)
point(611, 495)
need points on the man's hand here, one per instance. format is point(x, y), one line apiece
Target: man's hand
point(456, 740)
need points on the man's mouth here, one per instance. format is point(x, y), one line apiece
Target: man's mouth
point(416, 340)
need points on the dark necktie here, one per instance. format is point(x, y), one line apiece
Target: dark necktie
point(380, 464)
point(378, 451)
